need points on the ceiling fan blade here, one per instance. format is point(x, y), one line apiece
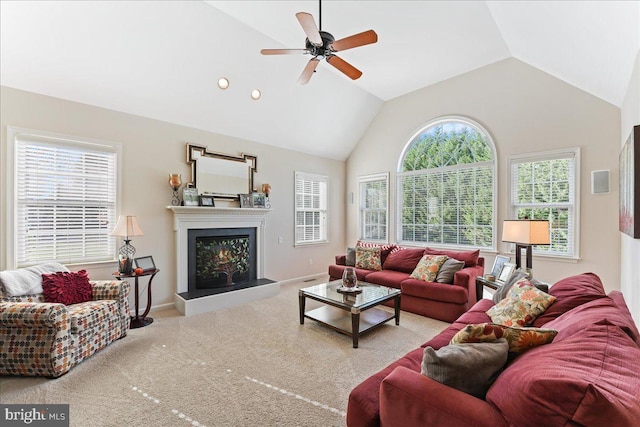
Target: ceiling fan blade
point(352, 72)
point(308, 71)
point(355, 40)
point(310, 28)
point(282, 51)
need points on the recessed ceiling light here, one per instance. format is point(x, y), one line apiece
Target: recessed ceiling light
point(255, 94)
point(223, 83)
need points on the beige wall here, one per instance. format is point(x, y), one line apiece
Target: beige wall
point(151, 150)
point(526, 111)
point(630, 248)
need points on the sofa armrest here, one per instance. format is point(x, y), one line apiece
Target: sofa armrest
point(467, 279)
point(341, 260)
point(32, 315)
point(116, 290)
point(410, 399)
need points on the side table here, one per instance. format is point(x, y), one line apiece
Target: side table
point(481, 282)
point(140, 321)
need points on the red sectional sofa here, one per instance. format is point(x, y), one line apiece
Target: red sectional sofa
point(588, 376)
point(440, 301)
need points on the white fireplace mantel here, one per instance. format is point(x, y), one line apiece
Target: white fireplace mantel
point(201, 217)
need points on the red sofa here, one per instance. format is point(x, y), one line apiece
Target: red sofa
point(440, 301)
point(588, 376)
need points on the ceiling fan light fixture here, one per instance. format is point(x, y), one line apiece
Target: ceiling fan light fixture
point(256, 94)
point(223, 83)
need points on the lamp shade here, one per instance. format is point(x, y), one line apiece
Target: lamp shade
point(127, 226)
point(526, 231)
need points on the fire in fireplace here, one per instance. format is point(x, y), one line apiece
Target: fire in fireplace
point(221, 257)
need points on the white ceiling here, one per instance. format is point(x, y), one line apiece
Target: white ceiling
point(162, 59)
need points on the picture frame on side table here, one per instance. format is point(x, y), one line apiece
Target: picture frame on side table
point(506, 272)
point(258, 200)
point(190, 197)
point(207, 200)
point(145, 263)
point(246, 201)
point(498, 263)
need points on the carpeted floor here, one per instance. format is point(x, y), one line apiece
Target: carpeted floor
point(252, 365)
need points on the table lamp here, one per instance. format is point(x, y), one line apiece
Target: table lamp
point(525, 233)
point(126, 227)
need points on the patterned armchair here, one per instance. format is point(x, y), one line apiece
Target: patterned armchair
point(47, 339)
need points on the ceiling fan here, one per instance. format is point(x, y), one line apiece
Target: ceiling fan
point(322, 45)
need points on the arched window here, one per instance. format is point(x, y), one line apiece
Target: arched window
point(446, 186)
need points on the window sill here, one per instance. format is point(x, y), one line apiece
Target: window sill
point(301, 244)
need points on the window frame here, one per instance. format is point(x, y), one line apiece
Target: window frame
point(11, 245)
point(563, 153)
point(324, 213)
point(494, 166)
point(362, 181)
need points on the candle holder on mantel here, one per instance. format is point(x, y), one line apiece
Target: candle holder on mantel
point(175, 181)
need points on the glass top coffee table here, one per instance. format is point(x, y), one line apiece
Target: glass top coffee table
point(348, 313)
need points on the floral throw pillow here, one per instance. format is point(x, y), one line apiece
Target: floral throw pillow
point(523, 303)
point(66, 287)
point(368, 258)
point(519, 339)
point(428, 267)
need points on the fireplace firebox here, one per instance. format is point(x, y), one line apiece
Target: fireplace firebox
point(221, 257)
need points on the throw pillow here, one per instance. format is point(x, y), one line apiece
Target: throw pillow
point(27, 281)
point(66, 287)
point(384, 249)
point(368, 258)
point(517, 275)
point(428, 267)
point(519, 339)
point(521, 306)
point(448, 270)
point(404, 259)
point(470, 258)
point(470, 368)
point(350, 260)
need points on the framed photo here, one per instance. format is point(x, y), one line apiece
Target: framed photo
point(498, 263)
point(630, 185)
point(246, 201)
point(505, 273)
point(190, 196)
point(207, 200)
point(145, 263)
point(258, 200)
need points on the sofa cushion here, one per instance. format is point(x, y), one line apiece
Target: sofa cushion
point(521, 306)
point(390, 278)
point(66, 287)
point(590, 379)
point(519, 339)
point(92, 314)
point(368, 258)
point(428, 267)
point(470, 258)
point(448, 270)
point(618, 299)
point(571, 292)
point(470, 368)
point(403, 259)
point(594, 312)
point(434, 291)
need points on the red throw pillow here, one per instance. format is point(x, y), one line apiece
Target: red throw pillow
point(66, 288)
point(470, 258)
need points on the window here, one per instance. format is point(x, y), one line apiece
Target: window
point(446, 186)
point(64, 200)
point(374, 206)
point(311, 208)
point(545, 186)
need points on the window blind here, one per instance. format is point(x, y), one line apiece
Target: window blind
point(65, 201)
point(311, 208)
point(374, 206)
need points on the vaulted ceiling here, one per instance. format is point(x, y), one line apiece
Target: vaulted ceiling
point(162, 59)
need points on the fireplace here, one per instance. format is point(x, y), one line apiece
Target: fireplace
point(231, 269)
point(221, 257)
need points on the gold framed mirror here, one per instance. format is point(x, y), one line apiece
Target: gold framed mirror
point(222, 175)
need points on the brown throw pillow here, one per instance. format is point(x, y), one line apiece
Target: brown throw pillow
point(350, 259)
point(470, 368)
point(448, 270)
